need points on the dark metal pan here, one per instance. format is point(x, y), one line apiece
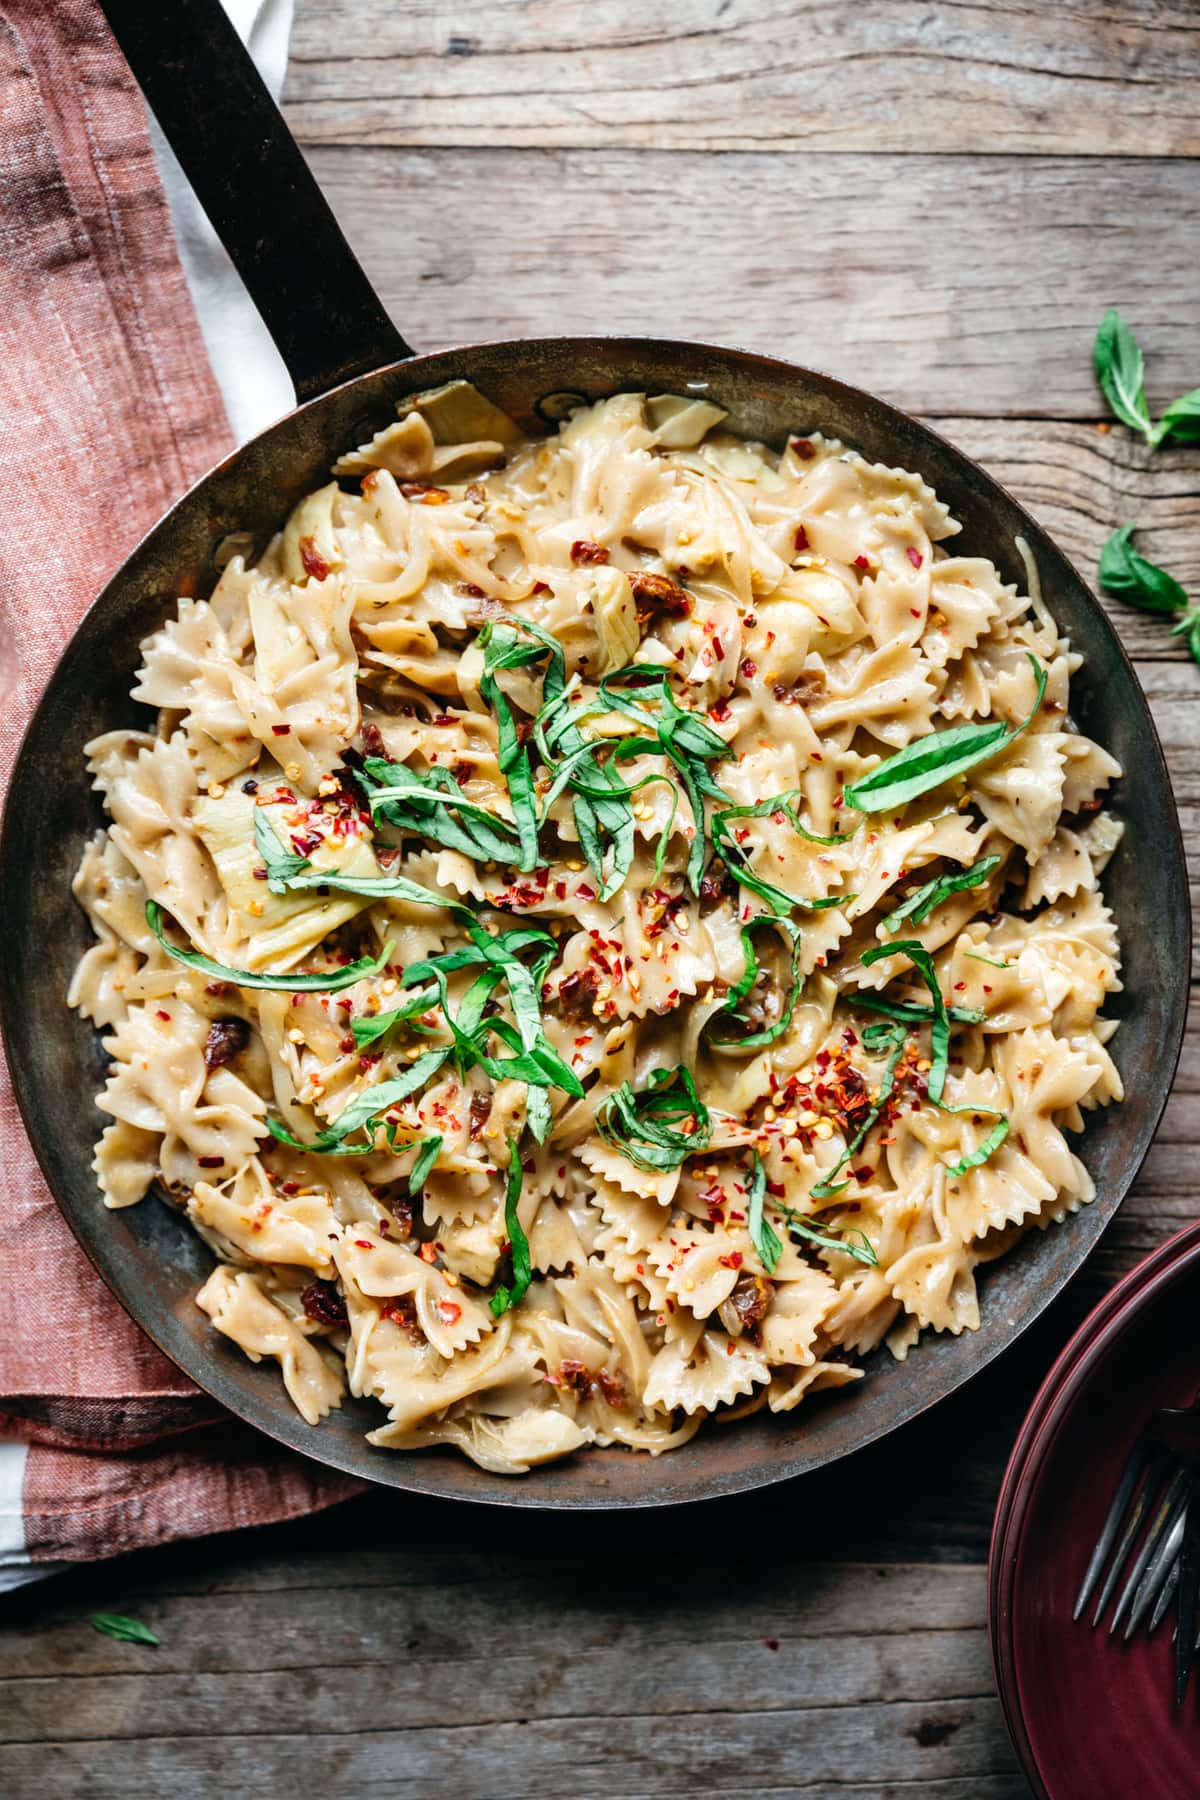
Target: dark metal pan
point(350, 366)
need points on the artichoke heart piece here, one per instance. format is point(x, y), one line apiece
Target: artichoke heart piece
point(680, 422)
point(310, 547)
point(457, 413)
point(615, 613)
point(281, 929)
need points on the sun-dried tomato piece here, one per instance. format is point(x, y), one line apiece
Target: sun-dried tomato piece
point(577, 992)
point(613, 1388)
point(324, 1305)
point(314, 563)
point(402, 1312)
point(479, 1114)
point(583, 550)
point(751, 1301)
point(658, 593)
point(226, 1039)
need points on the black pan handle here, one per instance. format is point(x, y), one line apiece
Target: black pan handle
point(259, 193)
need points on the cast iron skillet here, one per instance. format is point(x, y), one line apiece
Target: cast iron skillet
point(350, 366)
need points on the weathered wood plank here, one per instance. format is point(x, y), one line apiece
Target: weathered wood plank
point(882, 75)
point(948, 284)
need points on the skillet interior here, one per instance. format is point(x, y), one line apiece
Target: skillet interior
point(151, 1258)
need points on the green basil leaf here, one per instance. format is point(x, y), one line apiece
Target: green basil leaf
point(282, 865)
point(1181, 420)
point(757, 1040)
point(917, 908)
point(328, 982)
point(640, 1123)
point(939, 757)
point(877, 1038)
point(125, 1630)
point(503, 650)
point(363, 1109)
point(427, 1155)
point(1128, 575)
point(977, 956)
point(922, 961)
point(762, 1235)
point(980, 1154)
point(372, 1026)
point(862, 1251)
point(506, 1297)
point(1120, 372)
point(435, 807)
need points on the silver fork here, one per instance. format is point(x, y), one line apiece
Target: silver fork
point(1151, 1537)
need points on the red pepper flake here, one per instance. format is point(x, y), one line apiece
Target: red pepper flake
point(733, 1261)
point(583, 550)
point(720, 712)
point(424, 493)
point(211, 1162)
point(776, 1189)
point(915, 611)
point(469, 589)
point(804, 448)
point(281, 730)
point(749, 668)
point(364, 1243)
point(914, 556)
point(585, 891)
point(801, 539)
point(428, 1253)
point(541, 587)
point(449, 1312)
point(163, 1014)
point(771, 1643)
point(289, 1187)
point(862, 562)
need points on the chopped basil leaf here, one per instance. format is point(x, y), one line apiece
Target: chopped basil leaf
point(922, 961)
point(862, 1251)
point(738, 862)
point(506, 1297)
point(756, 1040)
point(1128, 575)
point(1120, 372)
point(980, 1154)
point(282, 865)
point(433, 806)
point(325, 983)
point(917, 908)
point(640, 1123)
point(877, 1039)
point(762, 1235)
point(938, 757)
point(427, 1155)
point(502, 649)
point(363, 1110)
point(372, 1026)
point(125, 1630)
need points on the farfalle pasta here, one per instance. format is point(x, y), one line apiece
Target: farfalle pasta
point(604, 929)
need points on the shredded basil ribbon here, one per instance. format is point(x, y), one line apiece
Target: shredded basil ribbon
point(757, 1040)
point(937, 758)
point(325, 983)
point(876, 1038)
point(765, 1239)
point(428, 1152)
point(984, 1150)
point(369, 1028)
point(360, 1112)
point(917, 908)
point(640, 1123)
point(502, 649)
point(863, 1251)
point(124, 1629)
point(738, 862)
point(939, 1030)
point(506, 1297)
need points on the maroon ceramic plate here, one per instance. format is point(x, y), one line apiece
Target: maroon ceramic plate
point(1093, 1718)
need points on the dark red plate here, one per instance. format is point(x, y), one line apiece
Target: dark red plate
point(1093, 1718)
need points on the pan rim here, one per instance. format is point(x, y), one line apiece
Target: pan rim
point(409, 1472)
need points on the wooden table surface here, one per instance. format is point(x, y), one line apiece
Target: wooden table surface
point(935, 201)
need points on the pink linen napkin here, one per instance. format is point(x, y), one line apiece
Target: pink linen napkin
point(109, 411)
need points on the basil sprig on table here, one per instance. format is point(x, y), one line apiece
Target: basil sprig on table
point(757, 1040)
point(917, 908)
point(939, 757)
point(641, 1122)
point(124, 1629)
point(327, 981)
point(1120, 370)
point(504, 1296)
point(1138, 582)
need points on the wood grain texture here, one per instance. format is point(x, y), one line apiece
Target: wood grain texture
point(1094, 77)
point(623, 1679)
point(948, 284)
